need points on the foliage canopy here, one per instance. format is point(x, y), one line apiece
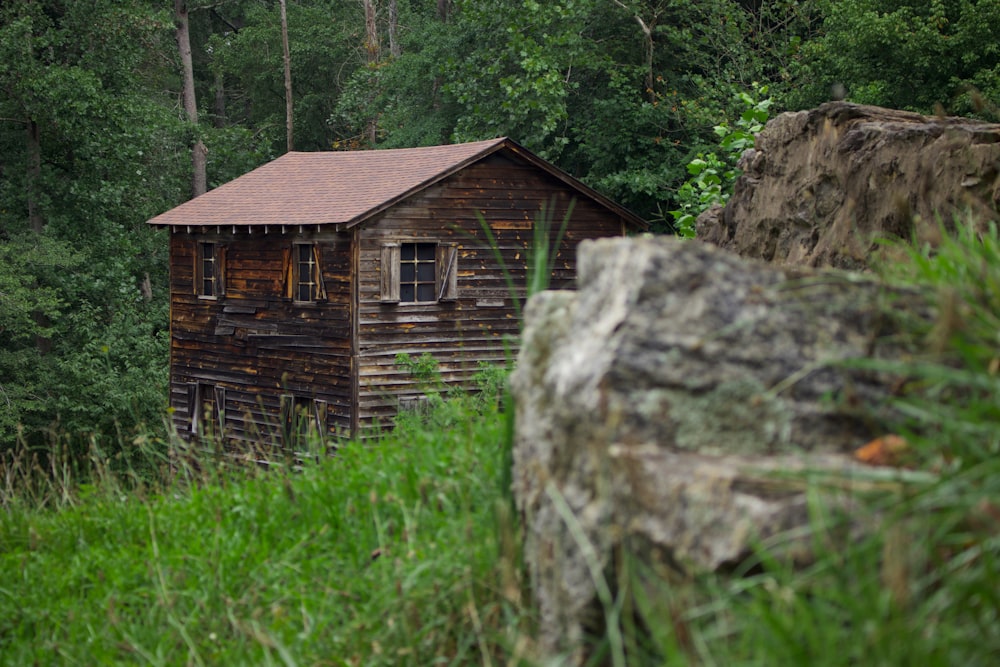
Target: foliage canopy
point(624, 94)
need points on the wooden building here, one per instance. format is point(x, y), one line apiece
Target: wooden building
point(293, 287)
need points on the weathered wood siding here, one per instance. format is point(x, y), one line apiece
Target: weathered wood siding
point(509, 194)
point(255, 341)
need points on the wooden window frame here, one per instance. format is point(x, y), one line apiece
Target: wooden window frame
point(417, 272)
point(202, 396)
point(443, 268)
point(302, 418)
point(305, 254)
point(209, 283)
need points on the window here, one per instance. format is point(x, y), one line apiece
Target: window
point(419, 272)
point(306, 280)
point(209, 264)
point(206, 407)
point(303, 420)
point(303, 273)
point(417, 279)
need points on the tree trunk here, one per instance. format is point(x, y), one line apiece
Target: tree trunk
point(199, 154)
point(289, 143)
point(650, 78)
point(394, 47)
point(442, 9)
point(34, 145)
point(647, 36)
point(219, 119)
point(372, 46)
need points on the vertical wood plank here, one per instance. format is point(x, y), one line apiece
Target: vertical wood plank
point(287, 416)
point(389, 268)
point(192, 406)
point(196, 267)
point(287, 272)
point(447, 272)
point(219, 409)
point(320, 283)
point(220, 271)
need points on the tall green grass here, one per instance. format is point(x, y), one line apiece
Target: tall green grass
point(394, 553)
point(405, 551)
point(401, 551)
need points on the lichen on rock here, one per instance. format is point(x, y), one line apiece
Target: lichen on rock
point(656, 405)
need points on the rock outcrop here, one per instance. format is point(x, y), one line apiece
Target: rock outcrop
point(822, 185)
point(656, 404)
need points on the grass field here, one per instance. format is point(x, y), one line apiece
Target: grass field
point(405, 551)
point(397, 552)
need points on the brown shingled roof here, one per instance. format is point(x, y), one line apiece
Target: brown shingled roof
point(340, 187)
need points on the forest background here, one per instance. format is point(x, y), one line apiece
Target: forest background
point(97, 133)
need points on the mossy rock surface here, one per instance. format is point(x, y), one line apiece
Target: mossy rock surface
point(658, 406)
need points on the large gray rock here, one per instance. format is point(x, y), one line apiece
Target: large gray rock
point(821, 186)
point(656, 404)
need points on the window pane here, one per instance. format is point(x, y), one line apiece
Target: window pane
point(406, 251)
point(406, 272)
point(425, 292)
point(305, 292)
point(406, 292)
point(425, 272)
point(305, 253)
point(207, 268)
point(426, 251)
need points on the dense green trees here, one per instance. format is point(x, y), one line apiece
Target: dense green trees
point(88, 148)
point(94, 137)
point(922, 55)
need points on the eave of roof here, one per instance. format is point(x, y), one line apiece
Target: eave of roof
point(346, 188)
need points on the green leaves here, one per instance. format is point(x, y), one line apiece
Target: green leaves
point(907, 55)
point(712, 177)
point(79, 346)
point(516, 74)
point(29, 269)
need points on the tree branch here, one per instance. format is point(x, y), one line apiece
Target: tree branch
point(642, 24)
point(648, 34)
point(224, 20)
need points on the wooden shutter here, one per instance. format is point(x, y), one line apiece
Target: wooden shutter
point(320, 285)
point(220, 270)
point(389, 269)
point(287, 419)
point(319, 413)
point(286, 272)
point(447, 272)
point(196, 269)
point(320, 410)
point(192, 406)
point(219, 408)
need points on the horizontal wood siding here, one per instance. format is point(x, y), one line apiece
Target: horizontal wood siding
point(472, 328)
point(255, 342)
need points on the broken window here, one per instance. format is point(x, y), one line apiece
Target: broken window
point(303, 420)
point(209, 267)
point(206, 408)
point(304, 274)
